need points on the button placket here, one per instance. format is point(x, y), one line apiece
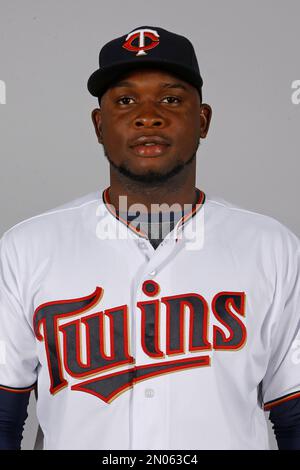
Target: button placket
point(151, 419)
point(158, 257)
point(145, 247)
point(149, 400)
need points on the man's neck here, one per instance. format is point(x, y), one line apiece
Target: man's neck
point(171, 193)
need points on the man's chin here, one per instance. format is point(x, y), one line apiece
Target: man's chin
point(150, 177)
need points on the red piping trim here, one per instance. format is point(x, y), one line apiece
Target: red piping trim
point(283, 399)
point(17, 390)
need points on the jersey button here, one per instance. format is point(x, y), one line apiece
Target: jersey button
point(142, 245)
point(149, 393)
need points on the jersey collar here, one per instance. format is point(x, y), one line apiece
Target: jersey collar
point(201, 197)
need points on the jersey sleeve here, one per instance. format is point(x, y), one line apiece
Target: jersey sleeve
point(18, 356)
point(281, 382)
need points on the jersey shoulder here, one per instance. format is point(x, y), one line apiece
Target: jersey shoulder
point(238, 218)
point(51, 218)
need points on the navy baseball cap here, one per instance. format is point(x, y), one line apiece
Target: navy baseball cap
point(146, 46)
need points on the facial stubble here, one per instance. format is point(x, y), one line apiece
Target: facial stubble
point(151, 177)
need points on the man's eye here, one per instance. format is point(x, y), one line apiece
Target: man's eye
point(172, 98)
point(124, 100)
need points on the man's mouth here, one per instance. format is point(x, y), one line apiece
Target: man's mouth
point(150, 146)
point(150, 150)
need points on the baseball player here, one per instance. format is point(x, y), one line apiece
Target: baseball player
point(149, 314)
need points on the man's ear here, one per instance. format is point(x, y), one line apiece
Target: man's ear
point(97, 121)
point(205, 118)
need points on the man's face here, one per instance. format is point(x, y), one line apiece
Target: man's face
point(151, 103)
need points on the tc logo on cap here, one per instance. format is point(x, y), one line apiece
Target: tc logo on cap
point(141, 34)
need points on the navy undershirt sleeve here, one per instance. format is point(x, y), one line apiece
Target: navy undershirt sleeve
point(13, 413)
point(286, 424)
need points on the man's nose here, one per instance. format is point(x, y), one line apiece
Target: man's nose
point(148, 117)
point(148, 122)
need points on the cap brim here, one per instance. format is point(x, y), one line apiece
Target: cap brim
point(102, 78)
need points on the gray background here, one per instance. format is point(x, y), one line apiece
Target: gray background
point(248, 52)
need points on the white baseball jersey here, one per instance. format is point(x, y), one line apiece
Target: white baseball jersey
point(182, 347)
